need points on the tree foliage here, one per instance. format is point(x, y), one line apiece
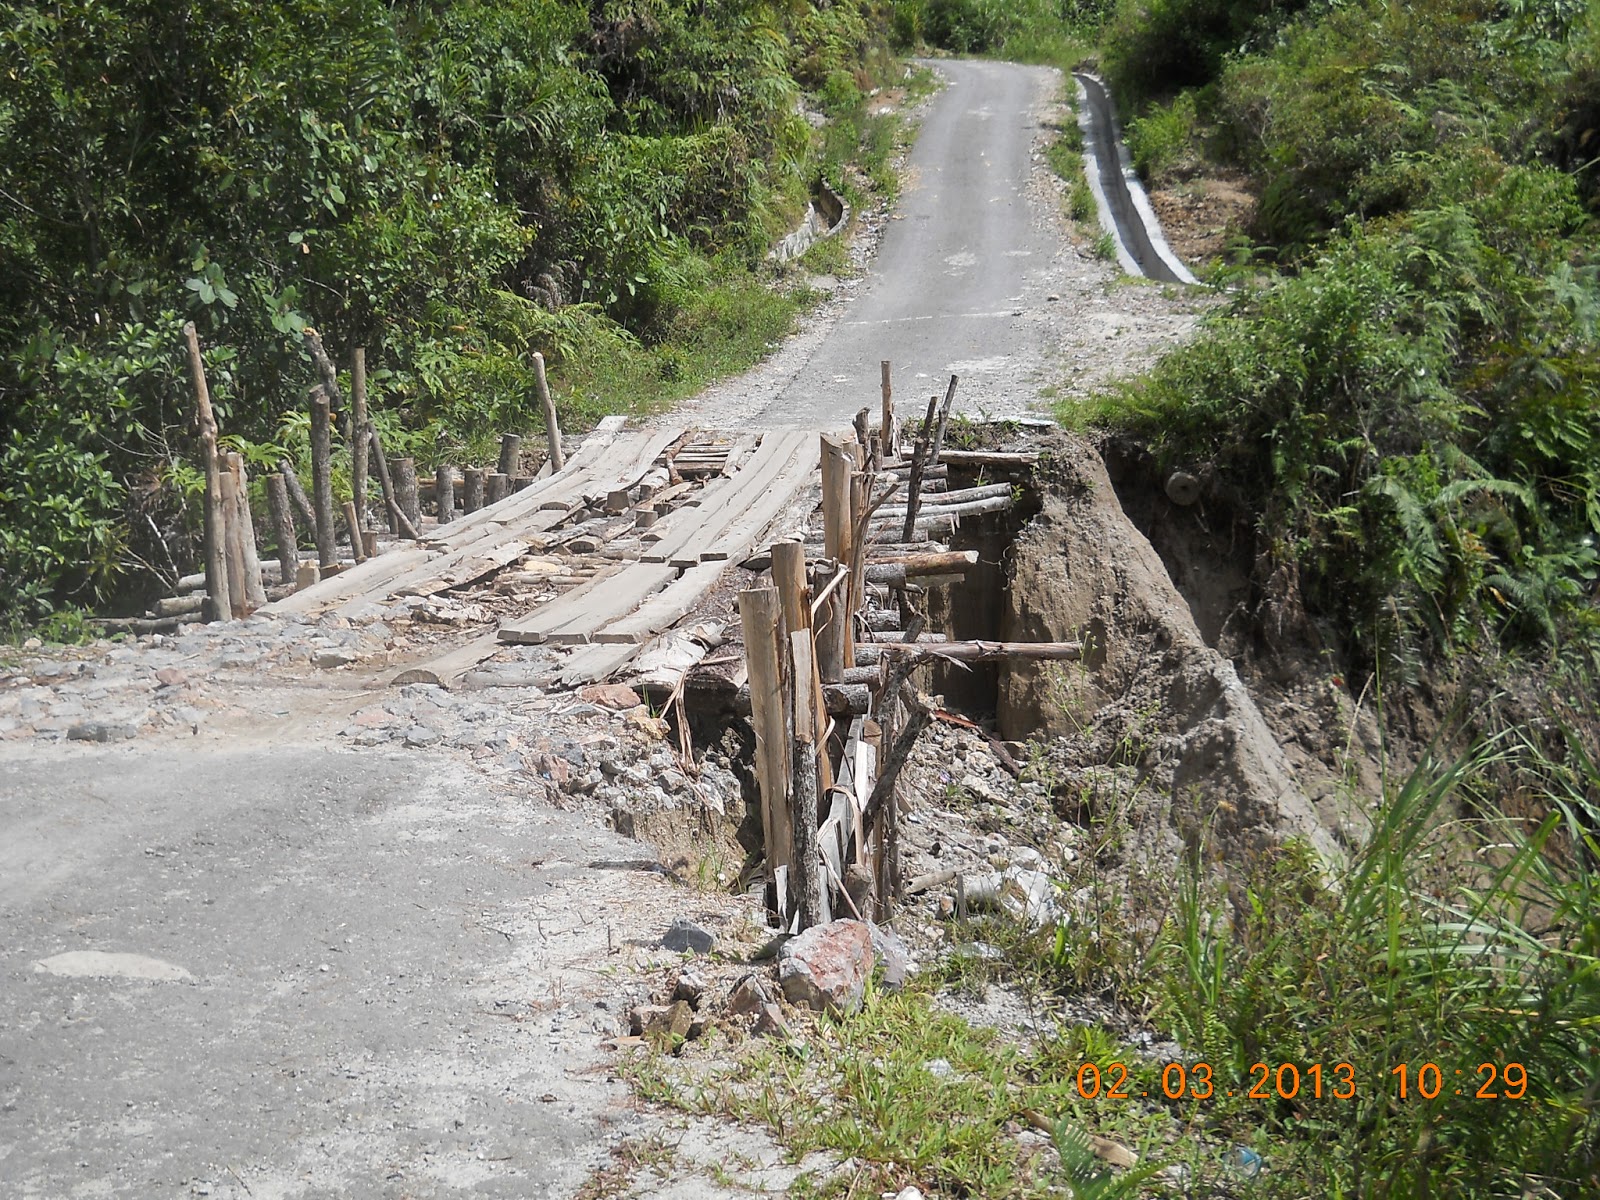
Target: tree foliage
point(448, 183)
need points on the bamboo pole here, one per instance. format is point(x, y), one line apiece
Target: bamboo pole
point(358, 430)
point(216, 529)
point(255, 593)
point(551, 424)
point(759, 618)
point(282, 526)
point(322, 474)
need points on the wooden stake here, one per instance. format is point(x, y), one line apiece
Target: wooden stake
point(282, 526)
point(358, 430)
point(863, 427)
point(510, 453)
point(397, 519)
point(805, 868)
point(232, 546)
point(444, 492)
point(471, 489)
point(497, 487)
point(353, 523)
point(551, 424)
point(832, 623)
point(944, 422)
point(255, 593)
point(919, 460)
point(405, 490)
point(216, 529)
point(886, 438)
point(322, 472)
point(759, 618)
point(794, 600)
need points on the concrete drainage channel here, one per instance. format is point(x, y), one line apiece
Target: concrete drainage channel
point(1124, 209)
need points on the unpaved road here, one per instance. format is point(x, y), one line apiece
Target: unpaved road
point(249, 963)
point(976, 275)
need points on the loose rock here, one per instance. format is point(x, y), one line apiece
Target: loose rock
point(686, 937)
point(827, 966)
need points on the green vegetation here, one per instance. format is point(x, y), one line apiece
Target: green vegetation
point(1407, 414)
point(451, 186)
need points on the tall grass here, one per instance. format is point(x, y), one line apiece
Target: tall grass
point(1460, 938)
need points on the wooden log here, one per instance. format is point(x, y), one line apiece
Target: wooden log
point(471, 489)
point(552, 424)
point(405, 490)
point(322, 476)
point(950, 499)
point(806, 864)
point(444, 492)
point(297, 493)
point(837, 467)
point(510, 454)
point(993, 459)
point(902, 569)
point(358, 430)
point(942, 511)
point(282, 525)
point(887, 439)
point(880, 620)
point(148, 625)
point(216, 528)
point(944, 422)
point(847, 699)
point(497, 486)
point(919, 459)
point(871, 654)
point(759, 618)
point(352, 524)
point(794, 602)
point(398, 521)
point(976, 651)
point(232, 546)
point(831, 622)
point(250, 561)
point(173, 606)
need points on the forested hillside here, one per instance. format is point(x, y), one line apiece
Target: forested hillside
point(450, 184)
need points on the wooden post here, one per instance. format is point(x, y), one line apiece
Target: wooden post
point(863, 428)
point(322, 476)
point(471, 489)
point(255, 594)
point(397, 519)
point(353, 523)
point(444, 492)
point(497, 486)
point(358, 433)
point(510, 453)
point(405, 490)
point(282, 526)
point(302, 504)
point(919, 463)
point(888, 443)
point(944, 422)
point(759, 618)
point(832, 625)
point(806, 869)
point(837, 465)
point(216, 530)
point(794, 602)
point(551, 424)
point(232, 547)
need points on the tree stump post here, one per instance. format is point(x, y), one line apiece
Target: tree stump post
point(444, 492)
point(510, 453)
point(282, 526)
point(405, 490)
point(471, 489)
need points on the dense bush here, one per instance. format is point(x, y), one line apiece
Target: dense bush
point(450, 185)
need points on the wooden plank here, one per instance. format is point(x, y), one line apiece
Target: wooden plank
point(702, 526)
point(466, 570)
point(666, 608)
point(447, 669)
point(593, 663)
point(357, 581)
point(739, 538)
point(575, 616)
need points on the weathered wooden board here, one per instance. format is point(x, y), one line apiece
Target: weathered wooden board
point(574, 617)
point(667, 607)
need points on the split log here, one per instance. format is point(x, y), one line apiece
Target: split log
point(322, 473)
point(967, 652)
point(216, 530)
point(405, 490)
point(358, 430)
point(444, 492)
point(249, 560)
point(471, 489)
point(282, 525)
point(551, 424)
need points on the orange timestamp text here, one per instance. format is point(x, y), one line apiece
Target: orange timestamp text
point(1316, 1081)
